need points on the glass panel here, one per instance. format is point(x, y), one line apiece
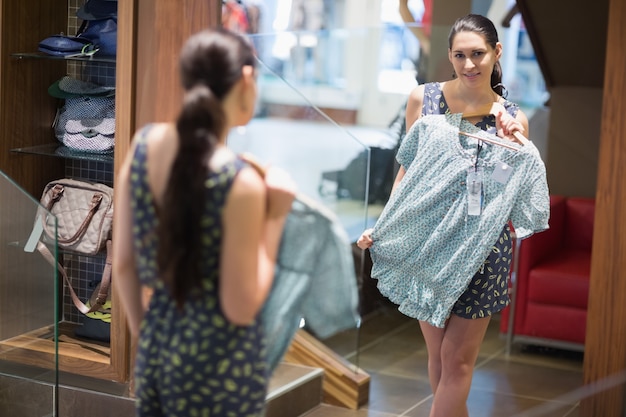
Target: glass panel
point(61, 151)
point(317, 119)
point(38, 55)
point(28, 308)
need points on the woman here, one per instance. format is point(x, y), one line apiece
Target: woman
point(474, 52)
point(201, 229)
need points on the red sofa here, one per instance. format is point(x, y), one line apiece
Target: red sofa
point(550, 284)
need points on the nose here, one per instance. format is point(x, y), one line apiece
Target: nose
point(469, 64)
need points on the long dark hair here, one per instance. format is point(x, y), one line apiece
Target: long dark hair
point(483, 26)
point(211, 63)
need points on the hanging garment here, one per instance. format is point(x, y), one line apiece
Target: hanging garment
point(315, 279)
point(427, 244)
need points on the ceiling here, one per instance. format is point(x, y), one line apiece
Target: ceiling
point(569, 39)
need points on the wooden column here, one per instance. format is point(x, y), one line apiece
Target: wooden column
point(605, 348)
point(150, 35)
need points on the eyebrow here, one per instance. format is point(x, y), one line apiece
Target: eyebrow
point(473, 50)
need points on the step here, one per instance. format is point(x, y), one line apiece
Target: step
point(294, 390)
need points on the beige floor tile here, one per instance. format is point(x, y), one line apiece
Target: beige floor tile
point(394, 394)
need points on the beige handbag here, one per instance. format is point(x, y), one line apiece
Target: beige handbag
point(84, 213)
point(84, 216)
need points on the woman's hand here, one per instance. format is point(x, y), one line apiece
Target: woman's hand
point(365, 241)
point(506, 125)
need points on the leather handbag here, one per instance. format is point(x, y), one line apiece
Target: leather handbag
point(84, 218)
point(84, 215)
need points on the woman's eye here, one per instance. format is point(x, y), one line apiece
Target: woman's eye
point(478, 53)
point(458, 55)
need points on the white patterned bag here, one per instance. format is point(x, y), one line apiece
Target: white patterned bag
point(90, 135)
point(91, 121)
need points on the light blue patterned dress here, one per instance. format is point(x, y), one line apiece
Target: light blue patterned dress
point(429, 256)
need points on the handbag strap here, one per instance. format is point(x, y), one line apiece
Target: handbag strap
point(103, 288)
point(94, 204)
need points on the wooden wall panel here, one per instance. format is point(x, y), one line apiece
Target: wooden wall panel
point(150, 35)
point(163, 27)
point(605, 348)
point(26, 109)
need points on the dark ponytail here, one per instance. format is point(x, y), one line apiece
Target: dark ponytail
point(211, 63)
point(483, 26)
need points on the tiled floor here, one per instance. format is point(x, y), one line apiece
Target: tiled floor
point(530, 382)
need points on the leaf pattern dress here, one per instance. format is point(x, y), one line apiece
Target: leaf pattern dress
point(192, 361)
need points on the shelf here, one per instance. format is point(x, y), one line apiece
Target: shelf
point(61, 151)
point(37, 55)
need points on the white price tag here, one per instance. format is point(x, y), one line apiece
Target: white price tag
point(474, 191)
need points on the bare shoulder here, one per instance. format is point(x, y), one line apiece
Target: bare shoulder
point(158, 133)
point(416, 97)
point(248, 184)
point(414, 105)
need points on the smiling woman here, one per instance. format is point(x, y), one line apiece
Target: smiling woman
point(454, 324)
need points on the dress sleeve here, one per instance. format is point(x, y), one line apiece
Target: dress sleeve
point(531, 210)
point(408, 147)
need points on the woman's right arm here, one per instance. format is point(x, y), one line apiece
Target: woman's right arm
point(253, 222)
point(413, 112)
point(127, 287)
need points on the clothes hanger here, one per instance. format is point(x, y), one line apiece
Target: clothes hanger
point(494, 142)
point(493, 109)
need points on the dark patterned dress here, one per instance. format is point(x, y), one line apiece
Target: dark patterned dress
point(487, 292)
point(193, 362)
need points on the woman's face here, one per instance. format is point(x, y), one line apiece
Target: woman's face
point(473, 58)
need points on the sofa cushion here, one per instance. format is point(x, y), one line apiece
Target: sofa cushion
point(562, 279)
point(555, 323)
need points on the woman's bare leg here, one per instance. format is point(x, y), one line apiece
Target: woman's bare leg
point(452, 354)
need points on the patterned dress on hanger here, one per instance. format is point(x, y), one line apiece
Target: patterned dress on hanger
point(488, 292)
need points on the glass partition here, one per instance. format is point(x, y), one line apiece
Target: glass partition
point(29, 308)
point(313, 121)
